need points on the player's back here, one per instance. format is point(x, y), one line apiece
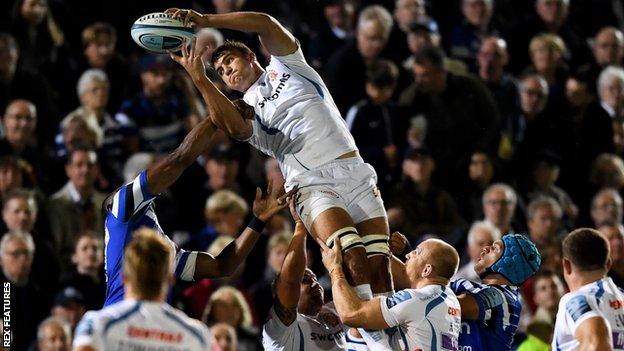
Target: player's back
point(141, 325)
point(600, 298)
point(499, 316)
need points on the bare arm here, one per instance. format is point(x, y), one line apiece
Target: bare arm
point(276, 39)
point(399, 276)
point(226, 263)
point(226, 115)
point(287, 287)
point(592, 334)
point(469, 307)
point(161, 175)
point(84, 348)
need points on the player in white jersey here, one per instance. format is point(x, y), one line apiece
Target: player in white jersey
point(295, 120)
point(591, 315)
point(426, 312)
point(299, 320)
point(143, 321)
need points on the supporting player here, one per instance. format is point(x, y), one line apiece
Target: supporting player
point(491, 310)
point(426, 312)
point(591, 315)
point(131, 207)
point(297, 122)
point(143, 320)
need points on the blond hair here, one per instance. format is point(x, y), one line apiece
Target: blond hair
point(147, 263)
point(280, 239)
point(230, 292)
point(225, 201)
point(552, 42)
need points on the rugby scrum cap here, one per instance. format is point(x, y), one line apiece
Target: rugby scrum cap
point(519, 261)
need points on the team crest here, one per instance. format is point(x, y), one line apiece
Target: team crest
point(272, 74)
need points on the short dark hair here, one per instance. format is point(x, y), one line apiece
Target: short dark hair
point(80, 148)
point(587, 249)
point(19, 193)
point(382, 74)
point(430, 55)
point(227, 47)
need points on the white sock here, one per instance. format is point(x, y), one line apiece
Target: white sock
point(364, 291)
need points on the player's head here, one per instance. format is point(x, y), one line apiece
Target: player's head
point(147, 263)
point(311, 299)
point(514, 257)
point(236, 64)
point(585, 253)
point(433, 259)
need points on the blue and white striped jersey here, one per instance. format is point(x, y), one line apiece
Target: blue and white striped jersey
point(141, 325)
point(601, 298)
point(499, 315)
point(133, 208)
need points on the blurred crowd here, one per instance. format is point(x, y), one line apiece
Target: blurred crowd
point(481, 118)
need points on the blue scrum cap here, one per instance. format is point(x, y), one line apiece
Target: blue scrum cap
point(519, 261)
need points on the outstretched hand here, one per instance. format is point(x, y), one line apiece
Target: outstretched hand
point(266, 205)
point(188, 16)
point(398, 243)
point(332, 258)
point(191, 60)
point(293, 209)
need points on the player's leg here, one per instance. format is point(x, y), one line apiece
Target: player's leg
point(375, 234)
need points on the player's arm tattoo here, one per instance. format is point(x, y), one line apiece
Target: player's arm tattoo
point(285, 314)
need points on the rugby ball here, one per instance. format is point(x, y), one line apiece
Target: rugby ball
point(159, 32)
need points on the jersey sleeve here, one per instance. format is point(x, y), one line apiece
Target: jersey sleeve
point(400, 308)
point(578, 309)
point(87, 333)
point(296, 58)
point(487, 297)
point(131, 198)
point(185, 262)
point(276, 335)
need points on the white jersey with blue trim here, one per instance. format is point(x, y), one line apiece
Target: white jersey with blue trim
point(601, 298)
point(305, 333)
point(133, 208)
point(141, 325)
point(296, 121)
point(428, 318)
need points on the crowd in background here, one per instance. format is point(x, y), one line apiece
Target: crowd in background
point(481, 118)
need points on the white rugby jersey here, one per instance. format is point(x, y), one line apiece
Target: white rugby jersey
point(296, 121)
point(601, 298)
point(305, 333)
point(141, 325)
point(428, 318)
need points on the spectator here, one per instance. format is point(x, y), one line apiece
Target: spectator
point(614, 232)
point(262, 290)
point(157, 113)
point(469, 193)
point(499, 206)
point(466, 37)
point(544, 221)
point(88, 276)
point(99, 42)
point(423, 207)
point(54, 334)
point(606, 207)
point(547, 53)
point(373, 121)
point(346, 69)
point(492, 59)
point(480, 235)
point(77, 206)
point(93, 91)
point(12, 174)
point(578, 97)
point(19, 124)
point(460, 113)
point(548, 290)
point(335, 32)
point(406, 13)
point(608, 50)
point(223, 337)
point(69, 305)
point(18, 83)
point(228, 305)
point(427, 35)
point(600, 116)
point(28, 304)
point(607, 172)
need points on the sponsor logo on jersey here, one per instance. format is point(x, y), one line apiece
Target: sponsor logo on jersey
point(278, 90)
point(154, 334)
point(449, 342)
point(618, 340)
point(454, 311)
point(326, 337)
point(616, 304)
point(272, 74)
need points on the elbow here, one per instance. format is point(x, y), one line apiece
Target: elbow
point(351, 319)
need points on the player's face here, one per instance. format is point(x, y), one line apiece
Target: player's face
point(236, 70)
point(311, 299)
point(489, 255)
point(415, 262)
point(19, 214)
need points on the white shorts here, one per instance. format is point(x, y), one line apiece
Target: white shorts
point(348, 183)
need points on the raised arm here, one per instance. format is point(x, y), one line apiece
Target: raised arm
point(276, 39)
point(226, 263)
point(593, 334)
point(353, 311)
point(234, 119)
point(288, 282)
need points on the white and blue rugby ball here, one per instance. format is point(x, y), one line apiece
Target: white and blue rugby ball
point(159, 32)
